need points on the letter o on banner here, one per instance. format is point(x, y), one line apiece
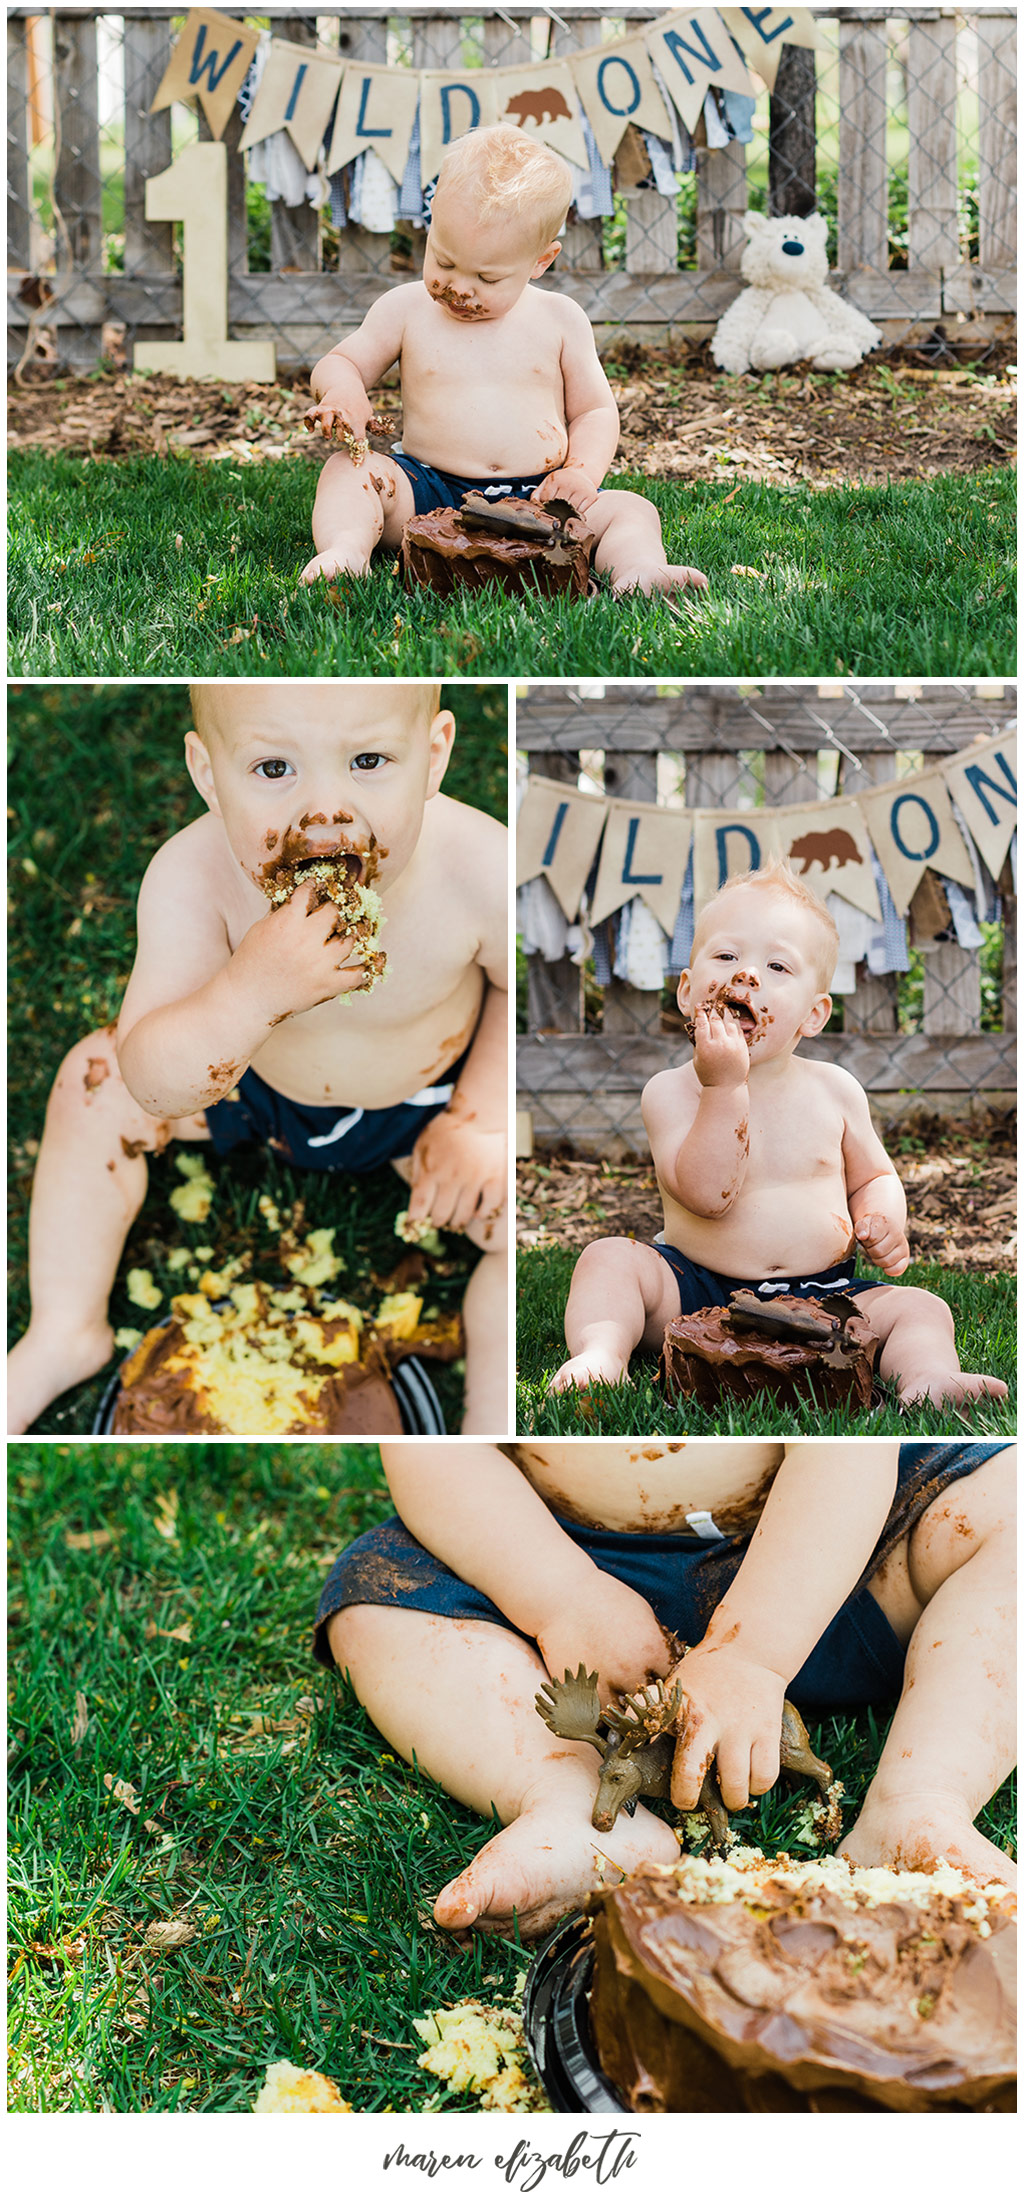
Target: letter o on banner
point(911, 797)
point(618, 61)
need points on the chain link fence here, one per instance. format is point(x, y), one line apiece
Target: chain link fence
point(940, 1034)
point(900, 128)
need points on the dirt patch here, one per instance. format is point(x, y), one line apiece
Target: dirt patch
point(960, 1179)
point(679, 422)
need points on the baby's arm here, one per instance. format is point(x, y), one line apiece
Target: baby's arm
point(472, 1507)
point(460, 1161)
point(341, 380)
point(813, 1540)
point(700, 1146)
point(592, 417)
point(195, 1013)
point(875, 1194)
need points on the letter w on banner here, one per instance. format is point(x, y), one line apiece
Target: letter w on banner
point(644, 854)
point(693, 52)
point(557, 835)
point(209, 63)
point(983, 781)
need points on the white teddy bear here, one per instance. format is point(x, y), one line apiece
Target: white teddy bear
point(788, 313)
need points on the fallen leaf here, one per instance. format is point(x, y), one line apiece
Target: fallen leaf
point(166, 1522)
point(99, 1539)
point(80, 1722)
point(168, 1933)
point(123, 1792)
point(755, 572)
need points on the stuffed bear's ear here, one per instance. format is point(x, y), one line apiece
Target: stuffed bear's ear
point(818, 226)
point(753, 223)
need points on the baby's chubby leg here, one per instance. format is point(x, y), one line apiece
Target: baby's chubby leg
point(918, 1347)
point(89, 1184)
point(622, 1294)
point(459, 1696)
point(948, 1592)
point(357, 508)
point(630, 549)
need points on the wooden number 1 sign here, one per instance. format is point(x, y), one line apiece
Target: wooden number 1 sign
point(194, 191)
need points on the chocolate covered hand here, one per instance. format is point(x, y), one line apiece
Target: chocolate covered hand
point(883, 1242)
point(731, 1726)
point(459, 1174)
point(340, 422)
point(572, 484)
point(611, 1630)
point(292, 959)
point(721, 1059)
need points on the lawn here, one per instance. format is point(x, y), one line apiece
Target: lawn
point(161, 1604)
point(96, 784)
point(983, 1306)
point(172, 565)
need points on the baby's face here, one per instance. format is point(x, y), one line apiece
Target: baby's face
point(303, 770)
point(759, 959)
point(477, 267)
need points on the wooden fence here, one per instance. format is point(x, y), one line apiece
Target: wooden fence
point(304, 305)
point(584, 1089)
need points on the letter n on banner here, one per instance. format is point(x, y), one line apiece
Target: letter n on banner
point(557, 835)
point(692, 52)
point(983, 781)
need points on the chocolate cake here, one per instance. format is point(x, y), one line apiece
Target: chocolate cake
point(342, 878)
point(450, 547)
point(756, 1983)
point(749, 1345)
point(273, 1361)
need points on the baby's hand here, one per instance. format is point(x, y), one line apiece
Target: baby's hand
point(884, 1244)
point(459, 1175)
point(609, 1629)
point(289, 961)
point(721, 1059)
point(733, 1721)
point(571, 484)
point(345, 425)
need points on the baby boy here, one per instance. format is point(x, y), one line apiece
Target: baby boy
point(502, 389)
point(245, 1019)
point(768, 1166)
point(840, 1572)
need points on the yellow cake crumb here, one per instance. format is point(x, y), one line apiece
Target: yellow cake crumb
point(421, 1232)
point(289, 2092)
point(400, 1314)
point(142, 1290)
point(479, 2050)
point(193, 1200)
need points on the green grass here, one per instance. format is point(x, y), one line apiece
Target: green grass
point(305, 1857)
point(913, 579)
point(983, 1307)
point(96, 784)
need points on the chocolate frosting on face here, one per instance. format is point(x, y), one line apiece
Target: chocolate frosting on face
point(705, 1356)
point(162, 1393)
point(796, 2001)
point(440, 553)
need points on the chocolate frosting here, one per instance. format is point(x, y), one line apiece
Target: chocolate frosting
point(440, 553)
point(799, 2001)
point(705, 1356)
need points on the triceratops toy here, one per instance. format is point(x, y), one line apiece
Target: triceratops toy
point(636, 1746)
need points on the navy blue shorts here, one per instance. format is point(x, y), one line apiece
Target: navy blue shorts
point(700, 1289)
point(431, 488)
point(326, 1139)
point(859, 1658)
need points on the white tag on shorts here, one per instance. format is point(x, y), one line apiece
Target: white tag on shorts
point(702, 1524)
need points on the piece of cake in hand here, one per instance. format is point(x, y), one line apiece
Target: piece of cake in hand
point(321, 968)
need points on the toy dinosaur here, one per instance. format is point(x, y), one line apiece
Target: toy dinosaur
point(636, 1746)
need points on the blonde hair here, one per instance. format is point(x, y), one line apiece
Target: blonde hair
point(511, 174)
point(776, 875)
point(428, 697)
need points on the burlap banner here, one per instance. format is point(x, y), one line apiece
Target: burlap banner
point(912, 827)
point(726, 843)
point(209, 63)
point(983, 781)
point(451, 103)
point(763, 32)
point(376, 112)
point(693, 52)
point(617, 86)
point(557, 835)
point(541, 99)
point(296, 93)
point(644, 854)
point(827, 846)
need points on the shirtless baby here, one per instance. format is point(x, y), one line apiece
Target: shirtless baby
point(248, 1020)
point(502, 389)
point(840, 1572)
point(769, 1169)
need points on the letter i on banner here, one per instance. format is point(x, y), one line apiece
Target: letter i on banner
point(209, 63)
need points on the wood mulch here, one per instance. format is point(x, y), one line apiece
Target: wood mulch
point(960, 1179)
point(679, 421)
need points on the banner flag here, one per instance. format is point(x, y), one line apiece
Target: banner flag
point(617, 86)
point(557, 835)
point(763, 32)
point(693, 52)
point(452, 102)
point(644, 854)
point(296, 93)
point(983, 780)
point(911, 826)
point(828, 848)
point(209, 62)
point(541, 98)
point(376, 112)
point(727, 843)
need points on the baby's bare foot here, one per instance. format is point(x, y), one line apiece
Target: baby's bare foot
point(950, 1388)
point(916, 1832)
point(543, 1865)
point(658, 581)
point(43, 1364)
point(590, 1365)
point(339, 559)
